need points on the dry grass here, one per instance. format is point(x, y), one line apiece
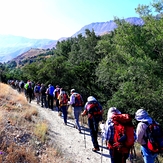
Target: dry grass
point(21, 129)
point(41, 130)
point(70, 112)
point(20, 154)
point(10, 100)
point(28, 113)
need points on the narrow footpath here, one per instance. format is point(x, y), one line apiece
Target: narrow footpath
point(75, 147)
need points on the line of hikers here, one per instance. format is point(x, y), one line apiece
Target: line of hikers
point(117, 132)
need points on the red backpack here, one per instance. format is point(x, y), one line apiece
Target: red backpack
point(57, 92)
point(64, 100)
point(78, 100)
point(123, 133)
point(94, 110)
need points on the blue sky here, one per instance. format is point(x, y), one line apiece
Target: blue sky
point(54, 19)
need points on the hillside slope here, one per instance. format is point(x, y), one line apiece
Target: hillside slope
point(22, 131)
point(12, 46)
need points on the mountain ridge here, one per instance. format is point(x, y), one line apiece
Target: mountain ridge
point(13, 46)
point(103, 27)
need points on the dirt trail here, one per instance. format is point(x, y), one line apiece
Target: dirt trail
point(74, 147)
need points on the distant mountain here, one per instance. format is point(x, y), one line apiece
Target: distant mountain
point(29, 54)
point(106, 27)
point(13, 46)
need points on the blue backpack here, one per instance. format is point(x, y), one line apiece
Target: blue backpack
point(37, 89)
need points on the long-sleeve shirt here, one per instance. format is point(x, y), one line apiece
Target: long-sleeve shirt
point(141, 133)
point(108, 131)
point(72, 99)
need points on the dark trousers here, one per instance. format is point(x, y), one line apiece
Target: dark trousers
point(50, 101)
point(43, 101)
point(57, 106)
point(117, 157)
point(93, 126)
point(29, 92)
point(29, 97)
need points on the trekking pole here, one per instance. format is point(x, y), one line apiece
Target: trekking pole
point(101, 146)
point(84, 133)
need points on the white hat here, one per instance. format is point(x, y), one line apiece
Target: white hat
point(72, 90)
point(141, 115)
point(111, 111)
point(91, 98)
point(114, 110)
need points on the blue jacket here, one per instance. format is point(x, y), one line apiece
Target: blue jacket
point(51, 90)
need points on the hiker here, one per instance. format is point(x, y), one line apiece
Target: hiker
point(63, 100)
point(17, 85)
point(142, 117)
point(43, 96)
point(50, 96)
point(21, 86)
point(29, 92)
point(94, 111)
point(25, 87)
point(77, 103)
point(56, 94)
point(117, 155)
point(37, 92)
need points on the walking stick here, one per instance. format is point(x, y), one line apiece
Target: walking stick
point(102, 138)
point(102, 146)
point(84, 133)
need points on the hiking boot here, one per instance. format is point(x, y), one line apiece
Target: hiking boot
point(95, 149)
point(75, 126)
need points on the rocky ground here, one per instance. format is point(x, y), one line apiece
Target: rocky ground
point(75, 147)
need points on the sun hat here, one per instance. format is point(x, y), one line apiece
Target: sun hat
point(111, 111)
point(141, 115)
point(91, 98)
point(114, 110)
point(72, 90)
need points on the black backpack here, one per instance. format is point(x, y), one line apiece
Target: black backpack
point(43, 90)
point(22, 85)
point(154, 137)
